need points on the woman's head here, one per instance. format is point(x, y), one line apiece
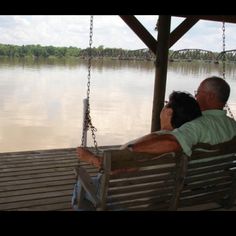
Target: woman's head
point(181, 108)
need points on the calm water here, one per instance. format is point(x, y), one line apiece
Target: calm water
point(41, 102)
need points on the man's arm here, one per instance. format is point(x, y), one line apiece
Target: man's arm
point(156, 144)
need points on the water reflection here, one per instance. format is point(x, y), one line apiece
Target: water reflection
point(202, 68)
point(97, 64)
point(41, 101)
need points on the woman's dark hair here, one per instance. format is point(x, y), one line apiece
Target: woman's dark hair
point(185, 108)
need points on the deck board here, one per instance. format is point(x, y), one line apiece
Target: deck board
point(43, 180)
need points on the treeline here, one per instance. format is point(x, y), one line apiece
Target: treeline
point(37, 51)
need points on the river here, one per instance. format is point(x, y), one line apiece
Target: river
point(41, 102)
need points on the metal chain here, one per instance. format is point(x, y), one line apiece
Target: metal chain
point(88, 120)
point(224, 56)
point(223, 66)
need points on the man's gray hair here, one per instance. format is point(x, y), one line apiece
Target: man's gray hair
point(219, 87)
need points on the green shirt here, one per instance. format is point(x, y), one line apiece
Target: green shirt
point(213, 127)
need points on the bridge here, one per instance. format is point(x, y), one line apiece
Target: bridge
point(190, 54)
point(230, 55)
point(193, 54)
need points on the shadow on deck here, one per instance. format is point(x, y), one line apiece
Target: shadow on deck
point(43, 181)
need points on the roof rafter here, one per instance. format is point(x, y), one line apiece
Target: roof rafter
point(221, 18)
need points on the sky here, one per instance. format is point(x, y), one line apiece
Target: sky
point(108, 30)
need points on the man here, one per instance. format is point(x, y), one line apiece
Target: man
point(213, 127)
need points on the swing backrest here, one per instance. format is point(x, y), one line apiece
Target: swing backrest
point(138, 181)
point(211, 175)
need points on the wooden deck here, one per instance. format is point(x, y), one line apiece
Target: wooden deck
point(43, 181)
point(37, 180)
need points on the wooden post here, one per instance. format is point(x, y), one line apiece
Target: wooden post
point(161, 69)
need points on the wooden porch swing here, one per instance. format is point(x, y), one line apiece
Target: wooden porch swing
point(171, 181)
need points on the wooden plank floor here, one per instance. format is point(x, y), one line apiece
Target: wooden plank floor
point(37, 180)
point(43, 181)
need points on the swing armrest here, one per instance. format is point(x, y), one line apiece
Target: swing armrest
point(87, 184)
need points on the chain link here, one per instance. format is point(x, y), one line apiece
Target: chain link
point(224, 56)
point(88, 121)
point(223, 66)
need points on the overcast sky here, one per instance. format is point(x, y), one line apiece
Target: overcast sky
point(109, 31)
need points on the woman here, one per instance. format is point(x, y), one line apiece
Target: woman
point(181, 108)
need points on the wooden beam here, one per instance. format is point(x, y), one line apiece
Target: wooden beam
point(181, 30)
point(161, 69)
point(221, 18)
point(141, 31)
point(176, 34)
